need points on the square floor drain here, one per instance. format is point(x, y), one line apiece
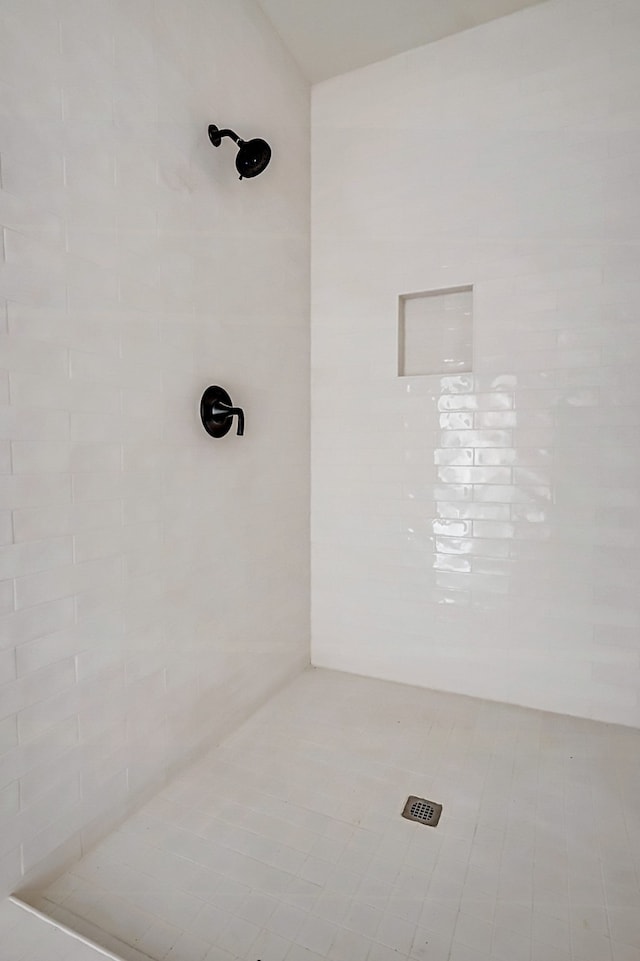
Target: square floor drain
point(423, 811)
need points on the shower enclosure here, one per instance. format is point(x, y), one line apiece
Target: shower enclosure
point(176, 780)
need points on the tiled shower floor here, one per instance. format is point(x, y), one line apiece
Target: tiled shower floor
point(287, 843)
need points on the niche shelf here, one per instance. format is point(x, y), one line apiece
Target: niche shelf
point(435, 331)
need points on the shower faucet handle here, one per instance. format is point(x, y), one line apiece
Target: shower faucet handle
point(220, 409)
point(217, 412)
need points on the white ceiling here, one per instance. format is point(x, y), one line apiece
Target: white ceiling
point(329, 37)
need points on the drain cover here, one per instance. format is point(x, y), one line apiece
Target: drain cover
point(423, 811)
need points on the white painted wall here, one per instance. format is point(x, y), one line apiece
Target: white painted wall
point(481, 533)
point(155, 580)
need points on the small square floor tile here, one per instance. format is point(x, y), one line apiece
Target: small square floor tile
point(314, 783)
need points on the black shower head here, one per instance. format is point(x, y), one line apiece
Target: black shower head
point(253, 155)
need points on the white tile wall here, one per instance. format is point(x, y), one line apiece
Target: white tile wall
point(153, 582)
point(480, 533)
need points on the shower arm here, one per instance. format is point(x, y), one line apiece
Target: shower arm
point(215, 135)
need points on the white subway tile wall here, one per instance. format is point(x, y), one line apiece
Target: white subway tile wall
point(153, 581)
point(480, 532)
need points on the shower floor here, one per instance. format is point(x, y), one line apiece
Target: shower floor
point(286, 843)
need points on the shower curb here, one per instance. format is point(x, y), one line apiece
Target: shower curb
point(67, 931)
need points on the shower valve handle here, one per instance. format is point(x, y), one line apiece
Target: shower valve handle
point(217, 412)
point(222, 410)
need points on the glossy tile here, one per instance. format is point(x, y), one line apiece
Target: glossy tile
point(493, 186)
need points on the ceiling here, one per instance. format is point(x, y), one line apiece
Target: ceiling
point(329, 37)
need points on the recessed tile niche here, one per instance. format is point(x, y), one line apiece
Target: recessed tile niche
point(435, 331)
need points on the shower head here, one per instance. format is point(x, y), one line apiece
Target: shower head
point(253, 155)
